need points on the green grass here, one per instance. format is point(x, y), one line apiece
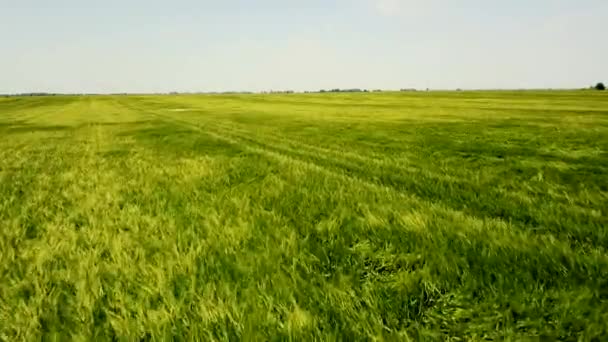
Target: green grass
point(389, 216)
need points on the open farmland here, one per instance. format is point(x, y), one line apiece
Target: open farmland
point(328, 216)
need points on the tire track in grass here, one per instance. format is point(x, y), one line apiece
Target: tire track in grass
point(371, 158)
point(382, 161)
point(341, 159)
point(311, 150)
point(336, 173)
point(527, 220)
point(281, 156)
point(298, 147)
point(497, 233)
point(528, 215)
point(436, 188)
point(391, 173)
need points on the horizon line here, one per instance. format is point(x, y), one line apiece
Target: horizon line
point(286, 91)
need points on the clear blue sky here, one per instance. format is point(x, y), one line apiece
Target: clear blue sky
point(198, 45)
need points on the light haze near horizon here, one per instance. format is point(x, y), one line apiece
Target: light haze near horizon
point(238, 45)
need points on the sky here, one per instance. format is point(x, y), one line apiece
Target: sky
point(247, 45)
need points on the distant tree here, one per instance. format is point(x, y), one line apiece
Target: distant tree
point(600, 86)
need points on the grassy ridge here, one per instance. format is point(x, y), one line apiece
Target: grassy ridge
point(351, 216)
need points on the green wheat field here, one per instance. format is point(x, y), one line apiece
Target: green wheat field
point(361, 216)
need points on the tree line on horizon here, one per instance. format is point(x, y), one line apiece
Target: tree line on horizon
point(600, 86)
